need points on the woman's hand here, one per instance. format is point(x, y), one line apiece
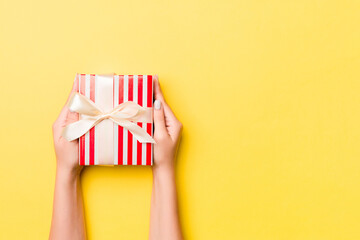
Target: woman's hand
point(68, 215)
point(167, 131)
point(67, 153)
point(164, 217)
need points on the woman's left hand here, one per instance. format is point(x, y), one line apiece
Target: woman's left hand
point(67, 153)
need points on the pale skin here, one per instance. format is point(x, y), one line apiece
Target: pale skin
point(68, 215)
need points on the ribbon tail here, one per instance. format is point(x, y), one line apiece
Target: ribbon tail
point(139, 133)
point(77, 129)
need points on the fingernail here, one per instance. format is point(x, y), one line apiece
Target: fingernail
point(157, 104)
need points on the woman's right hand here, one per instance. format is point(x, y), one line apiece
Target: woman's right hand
point(164, 217)
point(167, 130)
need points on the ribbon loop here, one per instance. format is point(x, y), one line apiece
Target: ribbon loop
point(124, 115)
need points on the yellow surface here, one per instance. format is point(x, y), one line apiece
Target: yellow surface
point(268, 92)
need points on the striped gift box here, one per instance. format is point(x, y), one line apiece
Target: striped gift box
point(108, 143)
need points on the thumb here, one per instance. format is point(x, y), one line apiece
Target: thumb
point(159, 119)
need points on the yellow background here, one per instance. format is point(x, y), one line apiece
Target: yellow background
point(268, 92)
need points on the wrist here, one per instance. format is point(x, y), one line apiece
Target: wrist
point(163, 172)
point(67, 174)
point(163, 167)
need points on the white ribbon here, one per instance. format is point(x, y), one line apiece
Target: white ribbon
point(124, 115)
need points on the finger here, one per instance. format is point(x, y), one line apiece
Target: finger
point(169, 114)
point(63, 113)
point(61, 121)
point(71, 117)
point(173, 125)
point(75, 87)
point(157, 90)
point(159, 95)
point(159, 119)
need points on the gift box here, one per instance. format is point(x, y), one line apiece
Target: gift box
point(115, 124)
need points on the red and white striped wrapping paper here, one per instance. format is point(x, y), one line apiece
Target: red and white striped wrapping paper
point(108, 143)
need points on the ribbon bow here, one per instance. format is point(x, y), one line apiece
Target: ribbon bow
point(124, 115)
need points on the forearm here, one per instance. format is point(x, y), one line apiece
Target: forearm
point(164, 217)
point(68, 215)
